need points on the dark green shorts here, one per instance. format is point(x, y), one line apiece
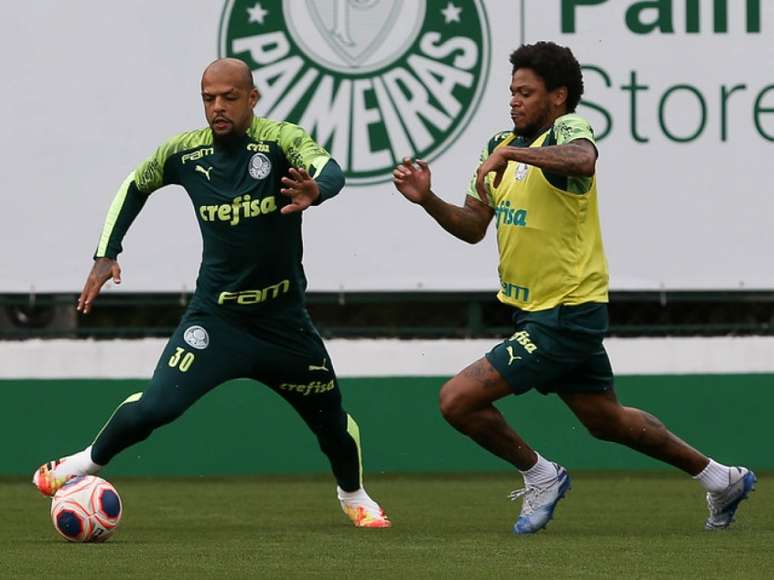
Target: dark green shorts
point(556, 351)
point(285, 353)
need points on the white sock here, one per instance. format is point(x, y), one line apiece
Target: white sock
point(77, 464)
point(541, 473)
point(357, 497)
point(715, 477)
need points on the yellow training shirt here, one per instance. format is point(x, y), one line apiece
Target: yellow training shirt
point(548, 231)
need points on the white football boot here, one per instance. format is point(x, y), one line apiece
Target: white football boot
point(722, 505)
point(539, 502)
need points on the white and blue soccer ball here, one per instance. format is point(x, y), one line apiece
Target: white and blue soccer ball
point(86, 509)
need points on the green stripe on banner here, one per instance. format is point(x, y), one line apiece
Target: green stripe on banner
point(244, 428)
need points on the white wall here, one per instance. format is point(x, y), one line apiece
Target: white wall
point(117, 359)
point(90, 88)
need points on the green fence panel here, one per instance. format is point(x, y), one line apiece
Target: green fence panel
point(244, 428)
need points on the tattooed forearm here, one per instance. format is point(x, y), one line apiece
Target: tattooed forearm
point(467, 223)
point(574, 159)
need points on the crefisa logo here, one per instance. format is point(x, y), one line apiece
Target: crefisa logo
point(371, 80)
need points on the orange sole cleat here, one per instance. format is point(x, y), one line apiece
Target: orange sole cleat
point(362, 518)
point(45, 481)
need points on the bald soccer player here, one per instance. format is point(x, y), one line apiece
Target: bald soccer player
point(249, 179)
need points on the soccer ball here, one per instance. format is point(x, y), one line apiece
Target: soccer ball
point(86, 509)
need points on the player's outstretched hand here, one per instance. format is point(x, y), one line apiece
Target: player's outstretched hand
point(413, 181)
point(301, 188)
point(103, 270)
point(496, 163)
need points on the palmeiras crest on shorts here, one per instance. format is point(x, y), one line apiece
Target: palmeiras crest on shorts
point(372, 81)
point(260, 166)
point(197, 337)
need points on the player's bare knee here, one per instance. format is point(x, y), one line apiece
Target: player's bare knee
point(603, 432)
point(645, 429)
point(452, 403)
point(606, 425)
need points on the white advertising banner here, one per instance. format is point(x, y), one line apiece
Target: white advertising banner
point(680, 93)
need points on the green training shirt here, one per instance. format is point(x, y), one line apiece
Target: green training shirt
point(251, 258)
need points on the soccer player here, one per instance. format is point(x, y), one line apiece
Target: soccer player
point(249, 179)
point(538, 183)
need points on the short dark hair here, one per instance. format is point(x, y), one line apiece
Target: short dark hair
point(555, 64)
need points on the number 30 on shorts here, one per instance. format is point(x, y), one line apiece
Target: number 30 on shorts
point(182, 359)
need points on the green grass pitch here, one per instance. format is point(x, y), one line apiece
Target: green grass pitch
point(622, 525)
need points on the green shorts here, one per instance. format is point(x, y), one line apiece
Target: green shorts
point(556, 351)
point(284, 352)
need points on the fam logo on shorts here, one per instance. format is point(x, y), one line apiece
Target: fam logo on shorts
point(371, 80)
point(260, 166)
point(197, 337)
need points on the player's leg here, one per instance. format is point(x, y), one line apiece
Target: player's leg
point(467, 403)
point(338, 435)
point(305, 378)
point(605, 418)
point(190, 366)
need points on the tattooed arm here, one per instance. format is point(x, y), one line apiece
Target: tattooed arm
point(468, 223)
point(577, 158)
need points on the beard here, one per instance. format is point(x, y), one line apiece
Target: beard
point(533, 129)
point(230, 137)
point(233, 134)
